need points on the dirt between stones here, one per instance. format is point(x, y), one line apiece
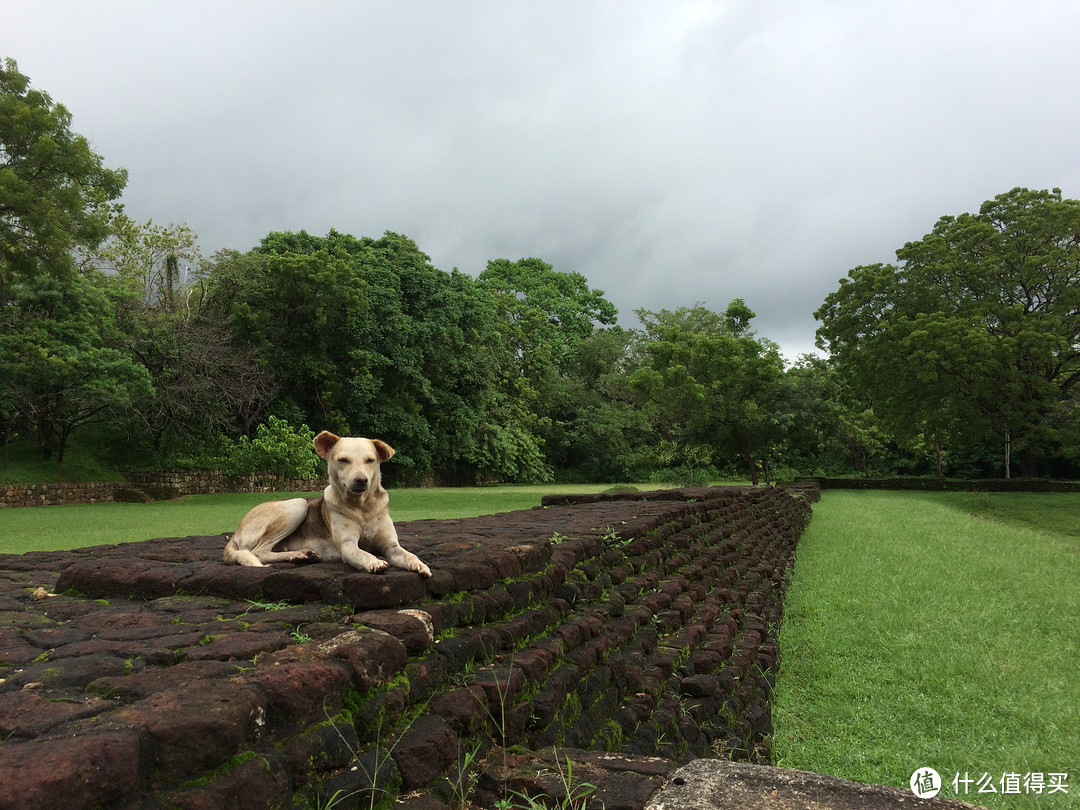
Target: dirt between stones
point(635, 633)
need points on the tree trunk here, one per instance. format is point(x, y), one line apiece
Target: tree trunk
point(62, 445)
point(744, 448)
point(1028, 464)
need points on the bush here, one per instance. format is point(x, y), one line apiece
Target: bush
point(278, 449)
point(684, 476)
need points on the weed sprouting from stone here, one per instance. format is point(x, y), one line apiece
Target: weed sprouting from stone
point(299, 637)
point(467, 776)
point(575, 795)
point(266, 605)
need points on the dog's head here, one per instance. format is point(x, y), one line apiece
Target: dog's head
point(353, 463)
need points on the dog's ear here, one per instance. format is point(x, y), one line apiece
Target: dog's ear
point(383, 450)
point(325, 442)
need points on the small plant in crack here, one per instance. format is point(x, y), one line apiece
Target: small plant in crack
point(576, 795)
point(299, 637)
point(467, 776)
point(377, 793)
point(266, 605)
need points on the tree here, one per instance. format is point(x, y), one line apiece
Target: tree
point(836, 428)
point(300, 314)
point(598, 420)
point(155, 262)
point(545, 313)
point(417, 363)
point(541, 316)
point(55, 194)
point(977, 333)
point(711, 382)
point(62, 366)
point(427, 378)
point(206, 382)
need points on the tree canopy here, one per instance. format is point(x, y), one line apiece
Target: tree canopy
point(976, 333)
point(64, 365)
point(55, 194)
point(711, 383)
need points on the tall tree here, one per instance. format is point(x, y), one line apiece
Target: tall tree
point(157, 263)
point(976, 334)
point(836, 428)
point(426, 376)
point(598, 420)
point(542, 315)
point(546, 313)
point(206, 382)
point(301, 314)
point(711, 381)
point(55, 194)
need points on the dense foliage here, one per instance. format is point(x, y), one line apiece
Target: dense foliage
point(974, 339)
point(125, 333)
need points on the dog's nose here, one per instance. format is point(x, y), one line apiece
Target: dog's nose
point(358, 485)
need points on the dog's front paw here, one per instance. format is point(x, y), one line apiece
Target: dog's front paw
point(378, 566)
point(422, 569)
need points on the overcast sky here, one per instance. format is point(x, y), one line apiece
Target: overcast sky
point(673, 153)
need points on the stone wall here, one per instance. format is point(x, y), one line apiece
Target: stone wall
point(629, 633)
point(149, 486)
point(53, 494)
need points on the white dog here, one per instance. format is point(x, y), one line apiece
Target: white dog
point(350, 522)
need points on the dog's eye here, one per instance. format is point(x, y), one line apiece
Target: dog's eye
point(371, 460)
point(343, 460)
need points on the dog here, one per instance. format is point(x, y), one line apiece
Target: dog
point(350, 522)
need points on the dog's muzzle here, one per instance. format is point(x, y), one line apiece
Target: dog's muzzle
point(358, 485)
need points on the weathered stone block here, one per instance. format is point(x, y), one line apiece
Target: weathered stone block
point(195, 728)
point(92, 770)
point(425, 751)
point(25, 714)
point(388, 590)
point(302, 690)
point(257, 783)
point(374, 656)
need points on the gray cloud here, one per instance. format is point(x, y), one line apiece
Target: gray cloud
point(673, 153)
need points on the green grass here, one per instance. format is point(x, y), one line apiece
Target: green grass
point(934, 630)
point(51, 528)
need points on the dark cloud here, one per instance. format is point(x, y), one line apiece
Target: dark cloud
point(673, 153)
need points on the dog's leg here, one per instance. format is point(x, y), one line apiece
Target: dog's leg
point(263, 528)
point(400, 558)
point(362, 560)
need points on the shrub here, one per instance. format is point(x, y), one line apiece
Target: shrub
point(684, 476)
point(278, 448)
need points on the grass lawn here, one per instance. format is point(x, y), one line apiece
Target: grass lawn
point(50, 528)
point(935, 630)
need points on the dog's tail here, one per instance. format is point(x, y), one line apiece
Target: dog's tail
point(234, 555)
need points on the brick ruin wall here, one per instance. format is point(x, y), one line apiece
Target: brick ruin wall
point(148, 486)
point(629, 633)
